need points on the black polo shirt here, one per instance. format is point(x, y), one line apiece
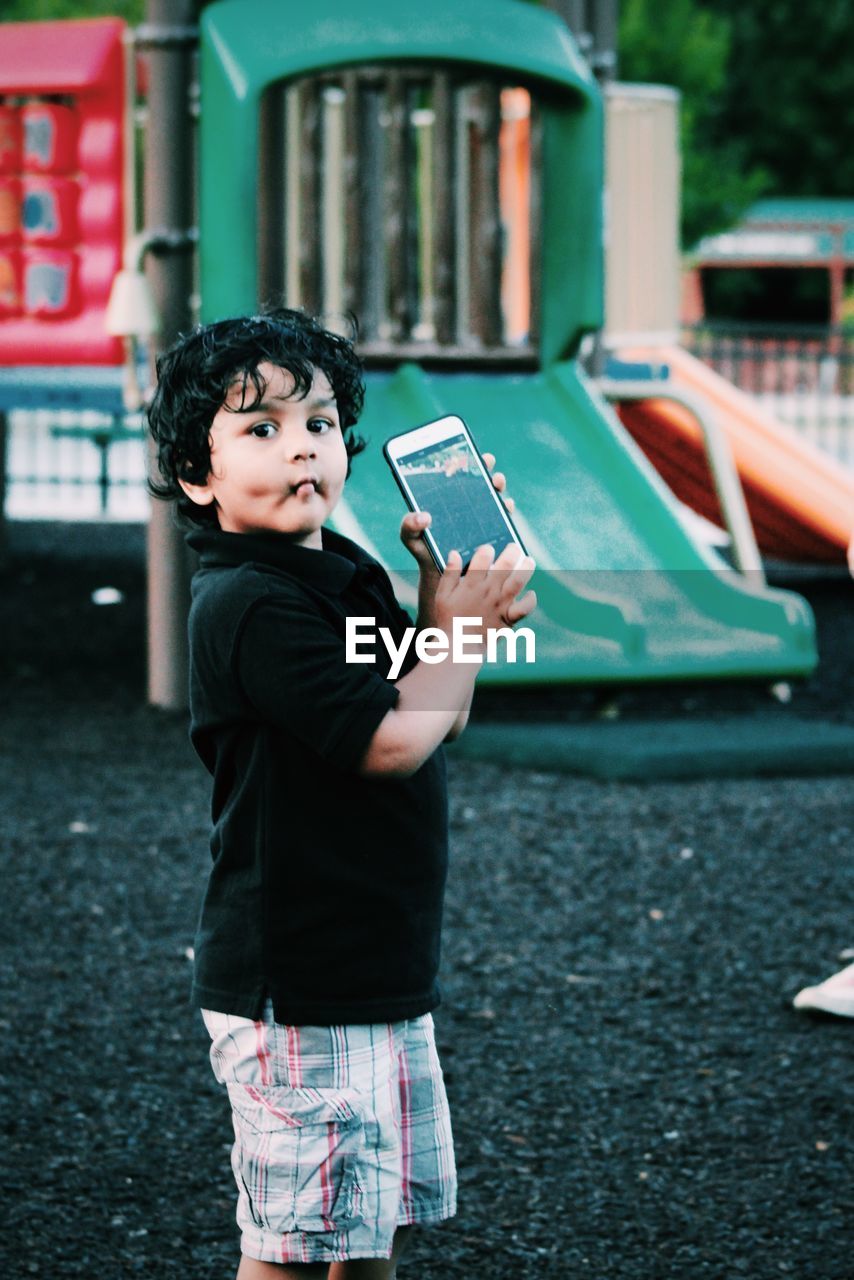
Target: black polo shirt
point(326, 887)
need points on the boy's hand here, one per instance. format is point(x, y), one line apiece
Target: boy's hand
point(499, 481)
point(471, 602)
point(412, 527)
point(488, 590)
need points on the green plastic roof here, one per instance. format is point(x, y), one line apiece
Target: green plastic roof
point(801, 209)
point(496, 33)
point(787, 231)
point(247, 45)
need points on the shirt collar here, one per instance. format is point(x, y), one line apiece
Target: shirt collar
point(330, 569)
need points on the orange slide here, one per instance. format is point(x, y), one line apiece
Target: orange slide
point(801, 501)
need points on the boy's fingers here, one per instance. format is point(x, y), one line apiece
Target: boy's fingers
point(414, 523)
point(512, 581)
point(518, 609)
point(499, 481)
point(453, 565)
point(412, 526)
point(515, 583)
point(513, 557)
point(509, 557)
point(483, 557)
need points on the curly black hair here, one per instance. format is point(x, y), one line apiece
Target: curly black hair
point(195, 376)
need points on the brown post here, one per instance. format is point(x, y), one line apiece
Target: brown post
point(444, 279)
point(167, 39)
point(594, 24)
point(271, 202)
point(310, 248)
point(4, 549)
point(485, 277)
point(396, 210)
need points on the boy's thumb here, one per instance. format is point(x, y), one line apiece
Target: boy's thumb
point(411, 529)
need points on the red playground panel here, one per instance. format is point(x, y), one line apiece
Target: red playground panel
point(62, 102)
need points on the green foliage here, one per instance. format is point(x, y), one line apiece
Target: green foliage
point(767, 97)
point(679, 44)
point(790, 91)
point(44, 10)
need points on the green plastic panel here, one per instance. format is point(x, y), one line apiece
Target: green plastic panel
point(625, 593)
point(248, 45)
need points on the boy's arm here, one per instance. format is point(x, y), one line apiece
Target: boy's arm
point(461, 720)
point(428, 582)
point(429, 705)
point(433, 700)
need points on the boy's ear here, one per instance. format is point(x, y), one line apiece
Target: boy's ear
point(201, 494)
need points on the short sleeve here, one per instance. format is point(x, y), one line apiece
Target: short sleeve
point(291, 665)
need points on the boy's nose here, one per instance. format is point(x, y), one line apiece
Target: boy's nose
point(301, 445)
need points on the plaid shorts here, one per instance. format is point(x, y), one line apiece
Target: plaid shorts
point(342, 1134)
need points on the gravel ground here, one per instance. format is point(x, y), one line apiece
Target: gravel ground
point(633, 1095)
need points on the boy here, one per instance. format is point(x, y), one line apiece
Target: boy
point(318, 942)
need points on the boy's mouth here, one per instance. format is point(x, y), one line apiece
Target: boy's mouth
point(305, 486)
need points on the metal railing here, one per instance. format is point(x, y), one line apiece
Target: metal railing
point(804, 376)
point(719, 457)
point(72, 465)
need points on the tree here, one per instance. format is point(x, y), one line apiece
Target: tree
point(680, 44)
point(44, 10)
point(789, 92)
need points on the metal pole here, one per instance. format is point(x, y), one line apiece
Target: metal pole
point(3, 451)
point(168, 203)
point(594, 24)
point(718, 455)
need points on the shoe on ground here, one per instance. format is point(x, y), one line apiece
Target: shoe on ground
point(834, 995)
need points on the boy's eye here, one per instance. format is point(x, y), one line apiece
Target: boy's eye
point(320, 425)
point(263, 430)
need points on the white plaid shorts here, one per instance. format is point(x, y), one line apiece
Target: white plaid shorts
point(342, 1134)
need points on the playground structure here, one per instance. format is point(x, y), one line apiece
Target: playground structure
point(625, 592)
point(801, 503)
point(63, 180)
point(440, 175)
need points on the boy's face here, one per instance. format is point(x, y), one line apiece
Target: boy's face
point(280, 466)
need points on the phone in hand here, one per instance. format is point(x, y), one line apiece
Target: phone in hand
point(438, 469)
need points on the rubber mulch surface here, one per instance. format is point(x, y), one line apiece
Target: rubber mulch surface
point(633, 1095)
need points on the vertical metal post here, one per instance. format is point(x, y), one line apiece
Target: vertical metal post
point(461, 159)
point(350, 188)
point(310, 211)
point(444, 283)
point(396, 206)
point(370, 146)
point(168, 203)
point(271, 197)
point(3, 537)
point(486, 263)
point(594, 25)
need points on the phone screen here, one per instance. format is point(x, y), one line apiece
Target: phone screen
point(445, 479)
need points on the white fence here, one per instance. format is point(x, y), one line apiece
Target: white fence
point(66, 465)
point(825, 420)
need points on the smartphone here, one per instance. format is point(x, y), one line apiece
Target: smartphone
point(438, 469)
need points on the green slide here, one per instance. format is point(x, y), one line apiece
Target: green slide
point(625, 593)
